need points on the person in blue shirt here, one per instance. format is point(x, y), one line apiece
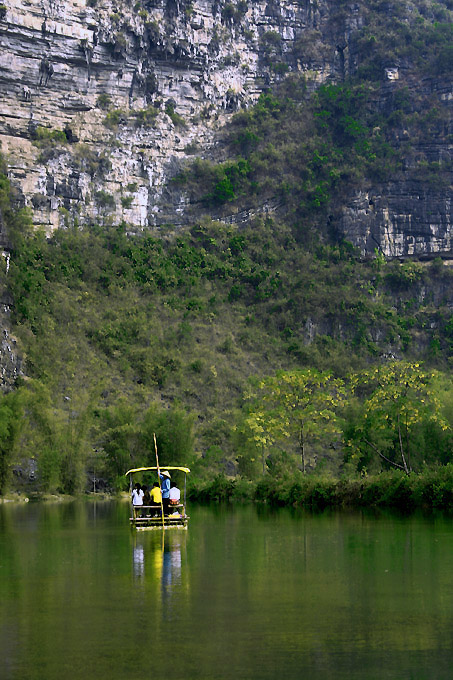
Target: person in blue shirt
point(165, 488)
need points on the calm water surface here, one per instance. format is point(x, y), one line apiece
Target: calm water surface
point(244, 593)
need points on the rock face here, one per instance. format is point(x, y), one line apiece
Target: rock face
point(411, 214)
point(10, 359)
point(408, 219)
point(102, 101)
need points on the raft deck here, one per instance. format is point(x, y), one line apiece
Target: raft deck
point(148, 520)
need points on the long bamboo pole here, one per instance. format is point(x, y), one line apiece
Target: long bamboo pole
point(160, 485)
point(132, 502)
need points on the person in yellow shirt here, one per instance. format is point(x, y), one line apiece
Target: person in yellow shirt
point(156, 496)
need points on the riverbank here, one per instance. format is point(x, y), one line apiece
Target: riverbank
point(39, 497)
point(14, 498)
point(432, 489)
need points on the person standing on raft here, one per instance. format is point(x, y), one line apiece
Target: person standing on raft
point(165, 488)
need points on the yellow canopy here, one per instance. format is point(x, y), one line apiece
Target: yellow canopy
point(162, 467)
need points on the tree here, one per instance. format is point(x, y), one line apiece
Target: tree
point(174, 434)
point(11, 410)
point(298, 404)
point(400, 396)
point(57, 435)
point(73, 438)
point(120, 436)
point(39, 436)
point(252, 436)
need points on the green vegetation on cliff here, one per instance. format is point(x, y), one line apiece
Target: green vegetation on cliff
point(127, 335)
point(303, 154)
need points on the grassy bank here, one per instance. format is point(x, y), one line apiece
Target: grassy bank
point(431, 489)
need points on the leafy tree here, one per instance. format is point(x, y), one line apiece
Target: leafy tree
point(74, 437)
point(57, 436)
point(120, 436)
point(40, 434)
point(207, 466)
point(298, 404)
point(11, 410)
point(398, 396)
point(174, 435)
point(252, 438)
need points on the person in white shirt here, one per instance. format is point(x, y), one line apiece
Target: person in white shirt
point(175, 494)
point(137, 495)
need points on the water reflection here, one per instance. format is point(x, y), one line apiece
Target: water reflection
point(172, 565)
point(242, 594)
point(157, 558)
point(138, 558)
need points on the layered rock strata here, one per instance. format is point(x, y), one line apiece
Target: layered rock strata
point(101, 102)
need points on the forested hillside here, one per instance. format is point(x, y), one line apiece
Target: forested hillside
point(274, 345)
point(124, 335)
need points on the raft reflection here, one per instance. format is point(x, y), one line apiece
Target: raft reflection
point(157, 557)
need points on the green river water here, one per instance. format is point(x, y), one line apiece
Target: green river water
point(245, 593)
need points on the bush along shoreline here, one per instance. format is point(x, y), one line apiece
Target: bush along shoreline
point(391, 489)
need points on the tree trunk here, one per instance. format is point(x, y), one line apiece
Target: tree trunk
point(408, 448)
point(403, 458)
point(302, 447)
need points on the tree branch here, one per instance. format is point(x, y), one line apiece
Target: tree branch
point(392, 462)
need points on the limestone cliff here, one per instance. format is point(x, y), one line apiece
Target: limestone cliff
point(102, 101)
point(131, 89)
point(11, 361)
